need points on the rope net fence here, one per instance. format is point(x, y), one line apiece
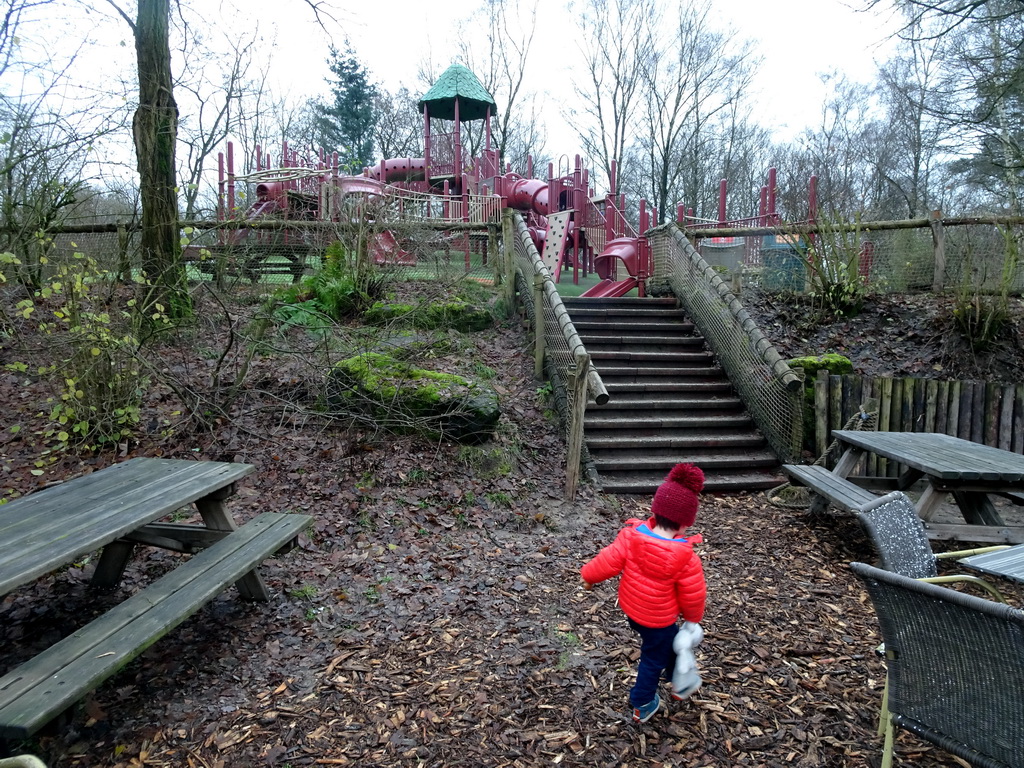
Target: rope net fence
point(770, 389)
point(564, 356)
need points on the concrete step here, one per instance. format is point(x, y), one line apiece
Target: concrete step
point(706, 461)
point(724, 440)
point(670, 402)
point(613, 373)
point(666, 401)
point(604, 327)
point(678, 358)
point(642, 343)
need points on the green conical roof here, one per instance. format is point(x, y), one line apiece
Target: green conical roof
point(457, 81)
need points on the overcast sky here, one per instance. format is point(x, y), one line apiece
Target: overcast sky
point(798, 39)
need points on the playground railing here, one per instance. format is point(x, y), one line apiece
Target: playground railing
point(615, 219)
point(769, 388)
point(559, 352)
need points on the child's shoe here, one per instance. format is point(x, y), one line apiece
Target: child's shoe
point(647, 711)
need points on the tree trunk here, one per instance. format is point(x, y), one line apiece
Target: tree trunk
point(155, 131)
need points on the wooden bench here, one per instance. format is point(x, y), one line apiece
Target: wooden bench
point(829, 487)
point(112, 511)
point(46, 685)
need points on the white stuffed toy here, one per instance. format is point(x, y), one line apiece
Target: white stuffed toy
point(685, 678)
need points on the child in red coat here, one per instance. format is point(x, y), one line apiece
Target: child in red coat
point(662, 579)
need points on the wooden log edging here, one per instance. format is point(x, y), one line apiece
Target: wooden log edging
point(990, 413)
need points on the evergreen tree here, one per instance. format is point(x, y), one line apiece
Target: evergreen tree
point(348, 121)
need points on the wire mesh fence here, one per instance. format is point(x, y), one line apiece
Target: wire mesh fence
point(771, 391)
point(276, 252)
point(886, 257)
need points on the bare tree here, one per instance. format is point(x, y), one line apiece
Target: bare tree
point(617, 43)
point(916, 136)
point(219, 91)
point(982, 88)
point(44, 138)
point(155, 131)
point(841, 151)
point(399, 128)
point(692, 95)
point(500, 59)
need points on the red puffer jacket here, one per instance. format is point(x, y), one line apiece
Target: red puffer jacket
point(661, 578)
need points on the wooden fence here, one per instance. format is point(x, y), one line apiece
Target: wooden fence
point(979, 411)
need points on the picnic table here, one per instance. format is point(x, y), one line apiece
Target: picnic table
point(1004, 562)
point(972, 473)
point(115, 510)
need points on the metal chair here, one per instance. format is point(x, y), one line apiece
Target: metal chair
point(955, 668)
point(902, 545)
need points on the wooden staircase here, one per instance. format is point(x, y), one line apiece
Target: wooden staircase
point(669, 402)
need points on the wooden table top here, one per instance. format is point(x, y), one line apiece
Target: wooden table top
point(55, 526)
point(941, 456)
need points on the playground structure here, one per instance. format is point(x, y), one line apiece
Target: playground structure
point(571, 226)
point(550, 228)
point(574, 229)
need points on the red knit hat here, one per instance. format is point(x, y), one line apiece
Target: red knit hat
point(676, 498)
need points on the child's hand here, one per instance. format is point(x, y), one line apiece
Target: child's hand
point(587, 585)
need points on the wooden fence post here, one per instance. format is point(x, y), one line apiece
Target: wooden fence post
point(577, 385)
point(492, 248)
point(538, 326)
point(508, 259)
point(939, 247)
point(822, 433)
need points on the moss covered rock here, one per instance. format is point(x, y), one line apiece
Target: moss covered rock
point(456, 314)
point(835, 365)
point(402, 397)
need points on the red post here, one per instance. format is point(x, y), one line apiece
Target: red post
point(231, 180)
point(722, 191)
point(457, 161)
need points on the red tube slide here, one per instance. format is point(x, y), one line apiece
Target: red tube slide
point(399, 169)
point(526, 194)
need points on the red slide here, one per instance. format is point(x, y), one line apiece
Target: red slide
point(384, 249)
point(625, 250)
point(611, 288)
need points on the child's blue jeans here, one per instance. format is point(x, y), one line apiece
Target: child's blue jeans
point(656, 656)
